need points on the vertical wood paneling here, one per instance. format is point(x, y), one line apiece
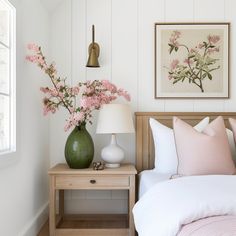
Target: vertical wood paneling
point(208, 105)
point(179, 105)
point(124, 58)
point(60, 43)
point(209, 10)
point(98, 206)
point(78, 37)
point(60, 46)
point(149, 12)
point(181, 11)
point(99, 14)
point(94, 194)
point(124, 46)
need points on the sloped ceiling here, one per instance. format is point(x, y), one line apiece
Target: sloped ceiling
point(50, 5)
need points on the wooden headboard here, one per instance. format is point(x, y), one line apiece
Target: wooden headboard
point(144, 140)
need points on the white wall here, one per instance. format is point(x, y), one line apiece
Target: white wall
point(125, 32)
point(23, 175)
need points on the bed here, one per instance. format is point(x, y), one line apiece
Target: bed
point(168, 203)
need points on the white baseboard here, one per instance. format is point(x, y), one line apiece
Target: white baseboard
point(34, 225)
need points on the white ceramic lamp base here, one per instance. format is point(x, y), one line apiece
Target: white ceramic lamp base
point(112, 154)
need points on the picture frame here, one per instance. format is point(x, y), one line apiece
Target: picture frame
point(192, 60)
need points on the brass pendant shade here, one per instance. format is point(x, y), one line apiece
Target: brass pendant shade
point(93, 51)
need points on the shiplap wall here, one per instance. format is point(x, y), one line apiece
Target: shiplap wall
point(125, 33)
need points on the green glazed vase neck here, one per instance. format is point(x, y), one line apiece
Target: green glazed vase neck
point(81, 126)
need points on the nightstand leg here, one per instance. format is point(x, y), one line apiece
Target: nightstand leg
point(61, 203)
point(131, 205)
point(52, 207)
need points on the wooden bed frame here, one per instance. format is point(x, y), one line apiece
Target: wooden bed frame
point(144, 140)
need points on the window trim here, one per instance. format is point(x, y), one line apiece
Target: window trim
point(12, 78)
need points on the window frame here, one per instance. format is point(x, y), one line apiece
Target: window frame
point(12, 78)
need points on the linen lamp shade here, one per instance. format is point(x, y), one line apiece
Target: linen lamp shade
point(114, 119)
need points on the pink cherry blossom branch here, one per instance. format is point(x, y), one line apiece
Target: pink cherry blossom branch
point(39, 59)
point(93, 93)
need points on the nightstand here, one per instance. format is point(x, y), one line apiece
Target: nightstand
point(63, 178)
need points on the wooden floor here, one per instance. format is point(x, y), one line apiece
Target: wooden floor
point(88, 221)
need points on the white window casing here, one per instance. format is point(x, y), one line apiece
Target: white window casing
point(7, 77)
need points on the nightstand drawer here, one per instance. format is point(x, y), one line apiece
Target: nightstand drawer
point(90, 182)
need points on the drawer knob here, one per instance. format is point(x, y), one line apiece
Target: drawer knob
point(92, 181)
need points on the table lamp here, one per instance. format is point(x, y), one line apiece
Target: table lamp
point(114, 119)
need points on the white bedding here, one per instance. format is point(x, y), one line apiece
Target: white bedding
point(149, 178)
point(170, 204)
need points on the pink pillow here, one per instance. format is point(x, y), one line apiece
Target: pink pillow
point(203, 153)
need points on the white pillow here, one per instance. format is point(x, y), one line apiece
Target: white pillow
point(231, 144)
point(166, 160)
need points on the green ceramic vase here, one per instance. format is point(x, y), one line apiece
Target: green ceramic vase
point(79, 149)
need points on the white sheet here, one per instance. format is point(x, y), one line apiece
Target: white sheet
point(170, 204)
point(149, 178)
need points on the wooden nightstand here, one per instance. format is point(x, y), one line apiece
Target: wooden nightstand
point(62, 178)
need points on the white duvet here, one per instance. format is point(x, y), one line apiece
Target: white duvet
point(170, 204)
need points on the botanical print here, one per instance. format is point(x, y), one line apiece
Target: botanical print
point(199, 62)
point(191, 60)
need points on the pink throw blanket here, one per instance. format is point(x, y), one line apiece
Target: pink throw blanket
point(212, 226)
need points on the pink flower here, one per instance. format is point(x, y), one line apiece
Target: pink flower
point(74, 120)
point(212, 50)
point(67, 126)
point(59, 85)
point(31, 58)
point(174, 64)
point(213, 39)
point(200, 45)
point(177, 33)
point(193, 50)
point(124, 93)
point(38, 59)
point(72, 109)
point(109, 86)
point(52, 68)
point(46, 110)
point(53, 92)
point(188, 61)
point(45, 101)
point(104, 99)
point(89, 90)
point(44, 90)
point(33, 47)
point(75, 90)
point(48, 107)
point(170, 77)
point(174, 37)
point(86, 102)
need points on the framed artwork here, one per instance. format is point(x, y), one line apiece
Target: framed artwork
point(192, 60)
